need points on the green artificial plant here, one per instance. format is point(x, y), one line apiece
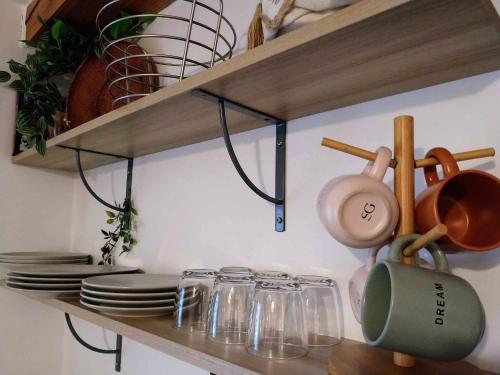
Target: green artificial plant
point(124, 230)
point(60, 49)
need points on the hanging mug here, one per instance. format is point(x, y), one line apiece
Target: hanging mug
point(360, 211)
point(358, 280)
point(421, 312)
point(467, 202)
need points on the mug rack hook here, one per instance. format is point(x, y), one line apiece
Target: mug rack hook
point(280, 163)
point(130, 166)
point(117, 351)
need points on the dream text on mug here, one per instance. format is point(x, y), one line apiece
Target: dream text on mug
point(440, 301)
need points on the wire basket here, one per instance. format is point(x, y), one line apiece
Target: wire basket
point(193, 36)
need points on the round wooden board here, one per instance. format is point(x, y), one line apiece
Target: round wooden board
point(354, 358)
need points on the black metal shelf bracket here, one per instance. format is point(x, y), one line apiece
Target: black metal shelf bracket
point(280, 164)
point(130, 166)
point(117, 351)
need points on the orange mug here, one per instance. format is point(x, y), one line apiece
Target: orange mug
point(467, 202)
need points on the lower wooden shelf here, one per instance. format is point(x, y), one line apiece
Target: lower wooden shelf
point(356, 358)
point(349, 358)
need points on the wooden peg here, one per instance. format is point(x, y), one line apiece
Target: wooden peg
point(459, 156)
point(352, 150)
point(421, 163)
point(434, 234)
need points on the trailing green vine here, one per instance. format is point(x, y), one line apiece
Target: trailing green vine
point(124, 231)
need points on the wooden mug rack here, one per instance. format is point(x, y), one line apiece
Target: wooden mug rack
point(404, 165)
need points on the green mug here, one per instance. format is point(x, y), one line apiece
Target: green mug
point(422, 312)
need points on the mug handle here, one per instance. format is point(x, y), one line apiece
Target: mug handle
point(448, 163)
point(372, 259)
point(376, 169)
point(397, 246)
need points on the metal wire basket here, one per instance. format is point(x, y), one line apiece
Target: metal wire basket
point(195, 36)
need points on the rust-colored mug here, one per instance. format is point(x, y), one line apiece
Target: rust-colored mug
point(467, 202)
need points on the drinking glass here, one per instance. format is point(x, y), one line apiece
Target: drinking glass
point(271, 275)
point(192, 299)
point(276, 328)
point(229, 308)
point(236, 269)
point(323, 310)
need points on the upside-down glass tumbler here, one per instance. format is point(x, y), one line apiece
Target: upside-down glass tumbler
point(323, 310)
point(193, 298)
point(271, 275)
point(229, 308)
point(276, 329)
point(236, 269)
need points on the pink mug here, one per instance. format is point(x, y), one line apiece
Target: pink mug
point(360, 211)
point(358, 279)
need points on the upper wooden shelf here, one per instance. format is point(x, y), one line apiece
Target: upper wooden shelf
point(81, 14)
point(369, 50)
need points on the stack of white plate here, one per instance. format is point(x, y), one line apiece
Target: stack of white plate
point(56, 281)
point(138, 295)
point(9, 260)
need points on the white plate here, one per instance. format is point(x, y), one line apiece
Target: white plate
point(128, 303)
point(57, 255)
point(48, 280)
point(43, 286)
point(70, 270)
point(138, 312)
point(23, 262)
point(133, 283)
point(46, 293)
point(133, 296)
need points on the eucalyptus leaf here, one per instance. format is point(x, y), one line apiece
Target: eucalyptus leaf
point(24, 118)
point(16, 67)
point(41, 147)
point(17, 85)
point(57, 29)
point(4, 76)
point(120, 28)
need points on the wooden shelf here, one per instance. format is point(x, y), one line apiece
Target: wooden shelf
point(345, 360)
point(81, 15)
point(158, 333)
point(348, 358)
point(369, 50)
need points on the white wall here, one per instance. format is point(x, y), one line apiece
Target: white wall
point(35, 209)
point(196, 212)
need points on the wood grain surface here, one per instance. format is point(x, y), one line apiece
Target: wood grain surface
point(368, 50)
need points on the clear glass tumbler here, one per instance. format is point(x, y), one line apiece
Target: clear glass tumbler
point(229, 308)
point(276, 328)
point(271, 275)
point(193, 298)
point(236, 269)
point(323, 310)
